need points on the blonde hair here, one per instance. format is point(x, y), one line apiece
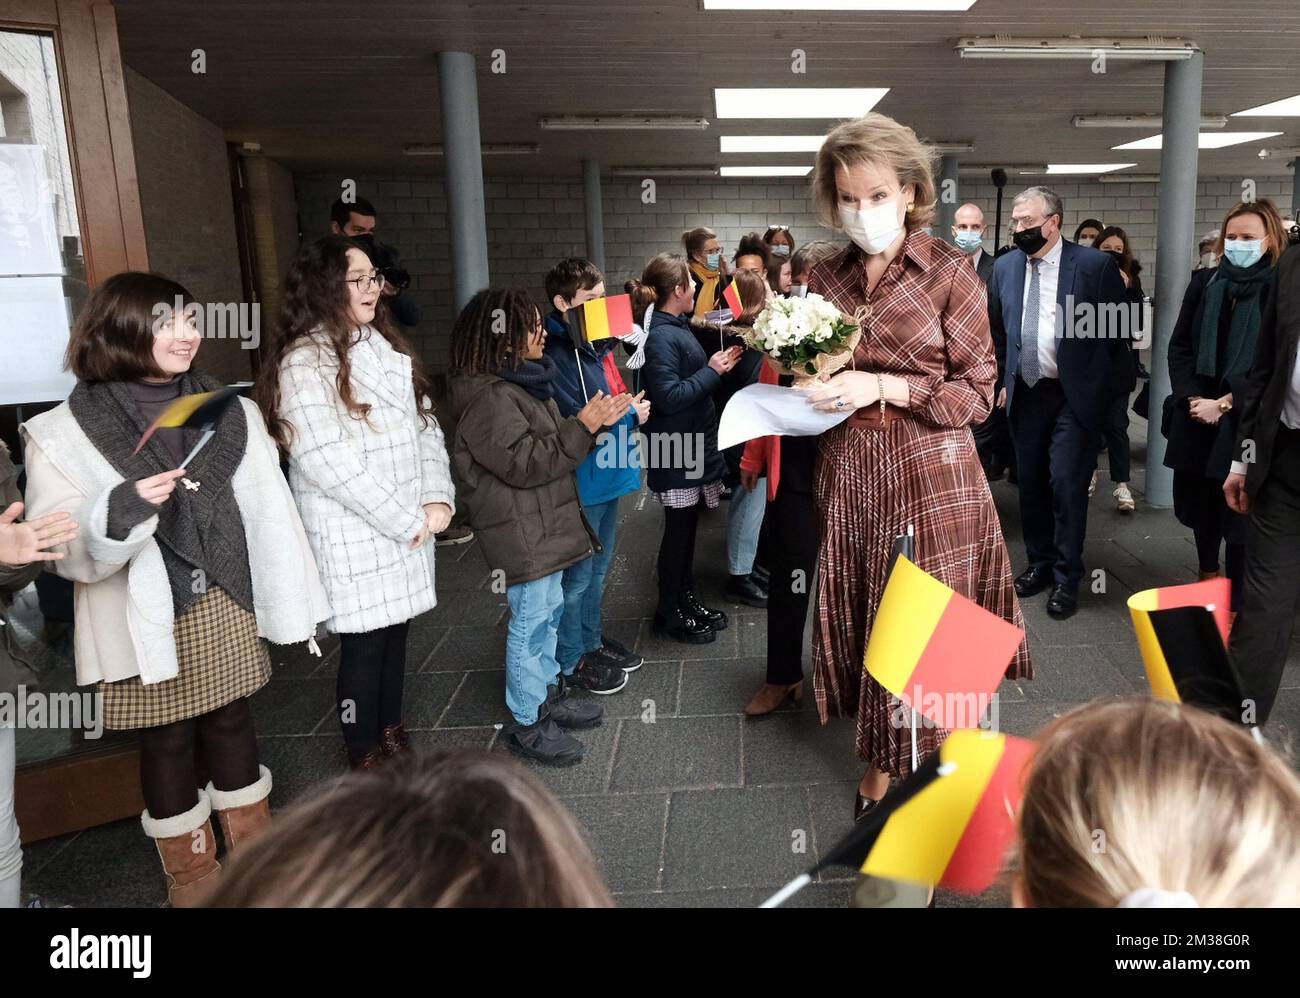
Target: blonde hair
point(882, 142)
point(1127, 794)
point(1267, 213)
point(467, 829)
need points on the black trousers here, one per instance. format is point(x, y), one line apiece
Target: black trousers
point(1056, 456)
point(677, 556)
point(993, 441)
point(372, 675)
point(791, 521)
point(1261, 636)
point(1115, 439)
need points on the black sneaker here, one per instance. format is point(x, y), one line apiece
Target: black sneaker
point(569, 711)
point(596, 675)
point(544, 741)
point(614, 653)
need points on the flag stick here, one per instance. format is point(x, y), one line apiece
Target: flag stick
point(789, 890)
point(208, 434)
point(1257, 734)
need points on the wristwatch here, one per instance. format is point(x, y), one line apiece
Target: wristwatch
point(1224, 406)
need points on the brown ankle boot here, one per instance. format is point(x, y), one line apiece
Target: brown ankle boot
point(244, 813)
point(188, 850)
point(771, 696)
point(394, 740)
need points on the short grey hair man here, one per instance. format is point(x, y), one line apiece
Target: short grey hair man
point(1052, 204)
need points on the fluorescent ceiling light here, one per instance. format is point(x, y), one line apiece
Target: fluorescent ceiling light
point(664, 171)
point(1000, 47)
point(911, 5)
point(623, 124)
point(765, 171)
point(500, 149)
point(1205, 140)
point(1287, 107)
point(944, 148)
point(1138, 121)
point(796, 102)
point(771, 143)
point(1084, 169)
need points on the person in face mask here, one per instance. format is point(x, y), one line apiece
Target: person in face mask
point(1210, 355)
point(779, 241)
point(1207, 257)
point(1114, 240)
point(922, 374)
point(1088, 231)
point(708, 269)
point(1058, 386)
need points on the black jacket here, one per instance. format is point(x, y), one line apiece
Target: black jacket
point(1269, 379)
point(712, 339)
point(680, 384)
point(515, 457)
point(1193, 446)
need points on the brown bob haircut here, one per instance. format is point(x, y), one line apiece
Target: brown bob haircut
point(1266, 212)
point(882, 142)
point(113, 338)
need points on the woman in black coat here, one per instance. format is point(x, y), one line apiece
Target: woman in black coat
point(1210, 354)
point(1114, 240)
point(685, 468)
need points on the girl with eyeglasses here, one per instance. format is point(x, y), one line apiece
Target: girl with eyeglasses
point(348, 403)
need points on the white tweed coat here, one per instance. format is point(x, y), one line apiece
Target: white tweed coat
point(361, 484)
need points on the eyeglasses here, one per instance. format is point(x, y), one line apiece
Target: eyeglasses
point(366, 282)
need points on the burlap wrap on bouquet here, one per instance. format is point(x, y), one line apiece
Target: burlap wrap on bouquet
point(826, 364)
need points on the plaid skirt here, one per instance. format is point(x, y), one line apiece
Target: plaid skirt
point(711, 493)
point(221, 659)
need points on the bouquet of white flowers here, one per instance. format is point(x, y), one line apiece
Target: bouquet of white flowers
point(807, 337)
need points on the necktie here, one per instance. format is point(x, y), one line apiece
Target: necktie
point(1029, 331)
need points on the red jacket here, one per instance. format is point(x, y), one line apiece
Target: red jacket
point(763, 454)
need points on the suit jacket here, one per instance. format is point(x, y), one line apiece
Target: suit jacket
point(1091, 369)
point(1270, 376)
point(985, 267)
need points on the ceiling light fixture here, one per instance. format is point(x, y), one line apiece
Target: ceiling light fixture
point(1003, 47)
point(1287, 107)
point(765, 171)
point(1079, 169)
point(796, 102)
point(770, 143)
point(629, 123)
point(1205, 140)
point(1138, 121)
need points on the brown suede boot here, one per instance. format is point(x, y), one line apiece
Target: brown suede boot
point(244, 813)
point(188, 850)
point(771, 696)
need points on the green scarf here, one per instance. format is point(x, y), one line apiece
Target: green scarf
point(1243, 291)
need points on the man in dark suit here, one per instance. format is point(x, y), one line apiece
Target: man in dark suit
point(1265, 484)
point(1059, 308)
point(992, 437)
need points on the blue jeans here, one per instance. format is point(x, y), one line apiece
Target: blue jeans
point(584, 591)
point(743, 524)
point(535, 609)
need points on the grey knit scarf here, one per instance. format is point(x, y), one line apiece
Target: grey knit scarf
point(198, 529)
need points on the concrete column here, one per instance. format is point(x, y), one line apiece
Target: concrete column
point(466, 219)
point(949, 198)
point(1175, 248)
point(595, 220)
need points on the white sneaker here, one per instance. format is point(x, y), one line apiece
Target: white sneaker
point(1092, 486)
point(1124, 500)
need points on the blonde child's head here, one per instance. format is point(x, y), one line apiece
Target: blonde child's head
point(1134, 794)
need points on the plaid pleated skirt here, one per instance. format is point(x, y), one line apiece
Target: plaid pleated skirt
point(870, 485)
point(220, 658)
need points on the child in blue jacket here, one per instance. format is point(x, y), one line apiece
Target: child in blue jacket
point(590, 660)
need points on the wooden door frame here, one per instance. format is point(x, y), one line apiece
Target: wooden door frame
point(83, 789)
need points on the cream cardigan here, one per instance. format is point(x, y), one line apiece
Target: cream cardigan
point(122, 598)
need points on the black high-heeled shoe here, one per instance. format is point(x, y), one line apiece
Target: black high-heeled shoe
point(716, 619)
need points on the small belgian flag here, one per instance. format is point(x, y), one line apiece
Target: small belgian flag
point(200, 411)
point(600, 319)
point(731, 295)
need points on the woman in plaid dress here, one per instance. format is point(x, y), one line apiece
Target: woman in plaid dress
point(922, 374)
point(182, 573)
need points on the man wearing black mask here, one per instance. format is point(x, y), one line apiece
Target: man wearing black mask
point(358, 219)
point(1062, 372)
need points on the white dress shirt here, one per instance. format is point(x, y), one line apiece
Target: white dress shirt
point(1049, 277)
point(1290, 410)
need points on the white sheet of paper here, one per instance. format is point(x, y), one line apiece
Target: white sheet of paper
point(760, 410)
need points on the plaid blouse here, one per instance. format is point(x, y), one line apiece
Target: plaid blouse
point(927, 321)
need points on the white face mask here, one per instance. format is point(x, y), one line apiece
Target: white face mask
point(1208, 259)
point(874, 228)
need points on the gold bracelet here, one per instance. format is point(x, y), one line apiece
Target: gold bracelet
point(880, 387)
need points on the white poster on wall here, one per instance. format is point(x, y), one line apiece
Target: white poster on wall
point(34, 325)
point(29, 235)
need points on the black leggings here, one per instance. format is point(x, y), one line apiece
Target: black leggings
point(677, 556)
point(372, 669)
point(1208, 538)
point(168, 763)
point(792, 521)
